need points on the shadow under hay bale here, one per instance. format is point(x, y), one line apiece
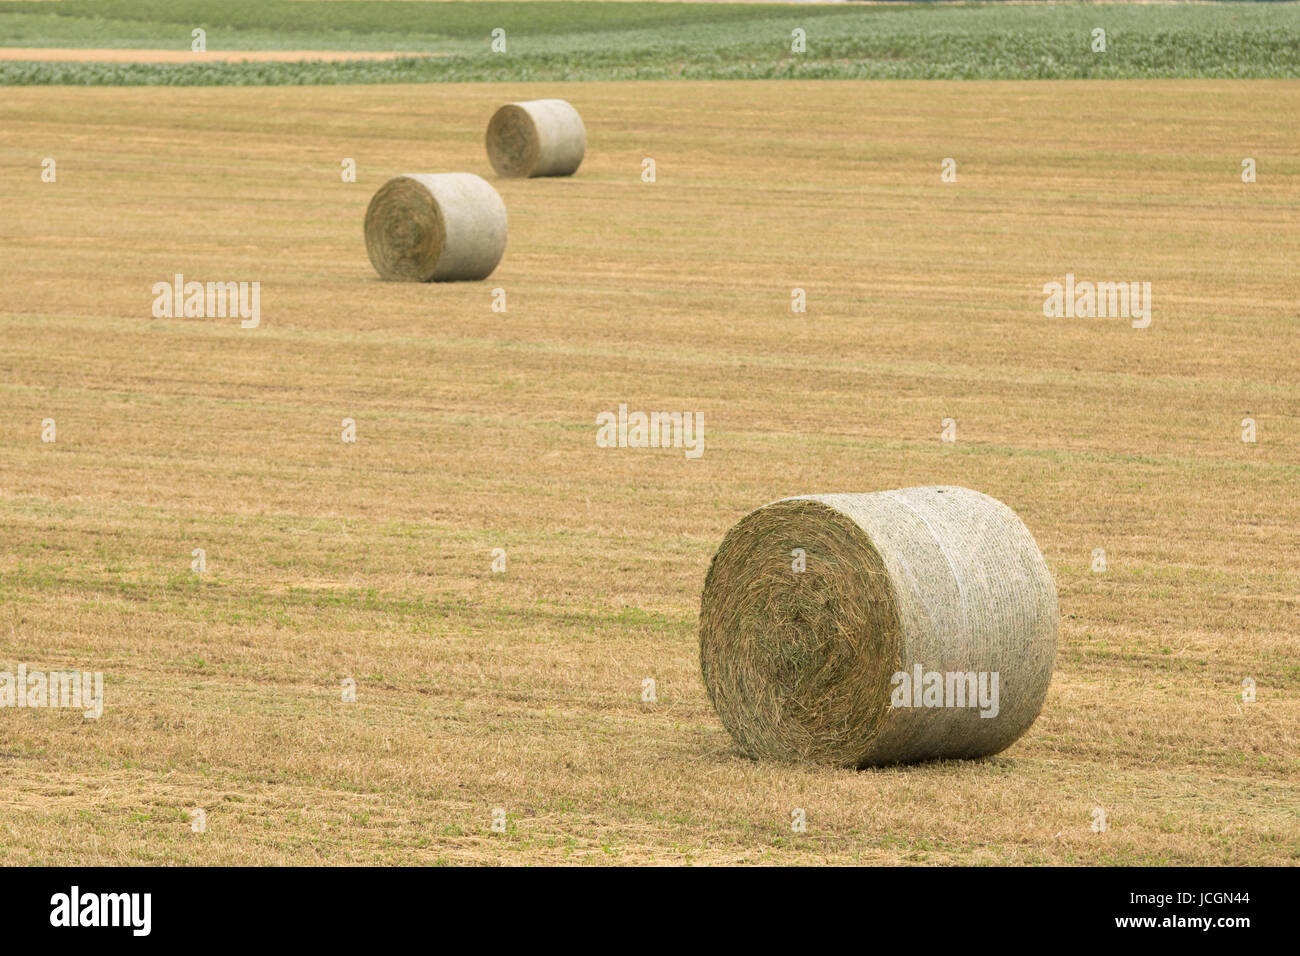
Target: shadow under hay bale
point(436, 227)
point(536, 138)
point(865, 629)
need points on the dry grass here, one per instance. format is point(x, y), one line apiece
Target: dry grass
point(477, 430)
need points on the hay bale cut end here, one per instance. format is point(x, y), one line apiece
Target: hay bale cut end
point(431, 227)
point(815, 607)
point(536, 138)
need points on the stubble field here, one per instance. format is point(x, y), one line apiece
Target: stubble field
point(521, 691)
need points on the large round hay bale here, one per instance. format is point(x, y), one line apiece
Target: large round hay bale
point(536, 138)
point(808, 665)
point(436, 227)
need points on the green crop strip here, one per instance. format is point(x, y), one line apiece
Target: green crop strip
point(619, 41)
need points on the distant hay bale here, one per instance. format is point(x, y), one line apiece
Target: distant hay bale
point(805, 665)
point(436, 227)
point(536, 138)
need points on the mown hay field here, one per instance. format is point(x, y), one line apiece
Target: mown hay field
point(476, 429)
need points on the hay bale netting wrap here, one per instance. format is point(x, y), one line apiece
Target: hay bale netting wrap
point(800, 666)
point(425, 227)
point(536, 138)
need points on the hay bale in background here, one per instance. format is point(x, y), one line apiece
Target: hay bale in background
point(801, 665)
point(436, 226)
point(536, 138)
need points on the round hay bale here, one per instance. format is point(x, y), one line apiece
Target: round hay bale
point(436, 227)
point(536, 138)
point(807, 665)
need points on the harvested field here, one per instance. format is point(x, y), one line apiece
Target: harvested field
point(475, 430)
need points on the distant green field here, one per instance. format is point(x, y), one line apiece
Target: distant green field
point(604, 41)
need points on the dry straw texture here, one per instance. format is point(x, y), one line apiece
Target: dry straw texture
point(536, 138)
point(800, 665)
point(439, 226)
